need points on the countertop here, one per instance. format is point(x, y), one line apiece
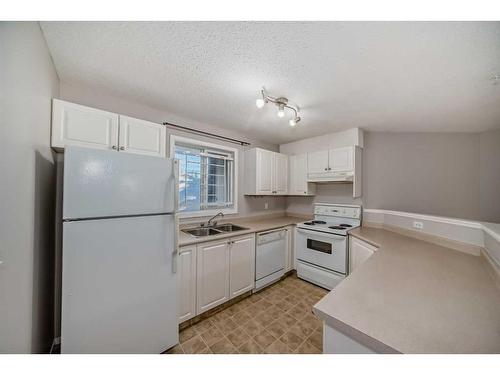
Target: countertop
point(413, 296)
point(256, 224)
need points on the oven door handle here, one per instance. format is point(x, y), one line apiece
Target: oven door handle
point(322, 234)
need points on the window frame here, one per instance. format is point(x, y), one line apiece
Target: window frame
point(173, 139)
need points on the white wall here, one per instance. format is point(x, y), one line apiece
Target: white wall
point(28, 81)
point(107, 101)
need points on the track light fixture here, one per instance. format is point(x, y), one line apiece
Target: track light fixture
point(281, 103)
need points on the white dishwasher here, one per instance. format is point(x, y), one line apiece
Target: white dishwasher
point(270, 257)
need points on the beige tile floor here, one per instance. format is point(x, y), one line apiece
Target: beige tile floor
point(276, 320)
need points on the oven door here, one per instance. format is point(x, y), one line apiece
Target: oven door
point(322, 249)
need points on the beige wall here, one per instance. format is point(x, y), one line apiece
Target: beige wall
point(444, 174)
point(28, 81)
point(94, 98)
point(429, 173)
point(489, 183)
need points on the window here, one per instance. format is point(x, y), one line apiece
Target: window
point(207, 175)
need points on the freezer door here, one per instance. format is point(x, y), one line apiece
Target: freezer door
point(103, 183)
point(119, 294)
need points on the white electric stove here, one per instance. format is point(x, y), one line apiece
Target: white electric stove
point(322, 243)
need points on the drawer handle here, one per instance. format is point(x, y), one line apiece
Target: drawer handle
point(113, 147)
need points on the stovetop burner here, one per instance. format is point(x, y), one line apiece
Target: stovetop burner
point(336, 227)
point(319, 222)
point(345, 225)
point(314, 222)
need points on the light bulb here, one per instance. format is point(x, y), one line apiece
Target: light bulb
point(260, 103)
point(292, 122)
point(281, 113)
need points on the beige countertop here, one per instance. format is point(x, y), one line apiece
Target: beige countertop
point(413, 296)
point(256, 224)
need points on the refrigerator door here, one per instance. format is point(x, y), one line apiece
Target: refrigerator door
point(119, 294)
point(102, 183)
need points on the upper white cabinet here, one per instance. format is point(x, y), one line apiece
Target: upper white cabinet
point(359, 252)
point(74, 124)
point(330, 164)
point(341, 164)
point(266, 172)
point(298, 176)
point(280, 174)
point(341, 159)
point(241, 265)
point(187, 283)
point(317, 162)
point(142, 137)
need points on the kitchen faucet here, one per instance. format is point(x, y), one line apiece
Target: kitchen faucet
point(209, 222)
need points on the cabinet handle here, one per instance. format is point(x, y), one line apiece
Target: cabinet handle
point(122, 148)
point(113, 147)
point(329, 168)
point(326, 169)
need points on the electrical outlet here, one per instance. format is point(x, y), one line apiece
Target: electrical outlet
point(266, 206)
point(418, 225)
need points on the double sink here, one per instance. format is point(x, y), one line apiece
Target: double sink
point(211, 231)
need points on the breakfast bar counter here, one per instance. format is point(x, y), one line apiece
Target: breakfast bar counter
point(412, 296)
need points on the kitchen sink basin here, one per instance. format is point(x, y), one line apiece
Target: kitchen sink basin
point(210, 231)
point(201, 232)
point(229, 227)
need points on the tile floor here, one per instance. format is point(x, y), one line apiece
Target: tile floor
point(276, 320)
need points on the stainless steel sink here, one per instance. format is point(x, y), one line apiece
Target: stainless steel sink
point(229, 227)
point(205, 231)
point(202, 232)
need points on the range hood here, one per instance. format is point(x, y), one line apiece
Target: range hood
point(345, 177)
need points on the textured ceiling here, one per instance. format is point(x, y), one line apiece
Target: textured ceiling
point(385, 76)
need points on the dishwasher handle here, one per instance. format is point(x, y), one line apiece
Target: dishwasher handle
point(266, 237)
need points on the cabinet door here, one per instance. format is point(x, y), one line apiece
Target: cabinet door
point(341, 159)
point(142, 137)
point(264, 171)
point(280, 174)
point(317, 162)
point(289, 249)
point(74, 124)
point(212, 275)
point(187, 283)
point(242, 265)
point(298, 175)
point(360, 251)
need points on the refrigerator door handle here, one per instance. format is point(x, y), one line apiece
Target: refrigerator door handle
point(175, 255)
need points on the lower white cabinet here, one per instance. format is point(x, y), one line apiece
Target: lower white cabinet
point(359, 252)
point(241, 265)
point(289, 257)
point(187, 282)
point(212, 274)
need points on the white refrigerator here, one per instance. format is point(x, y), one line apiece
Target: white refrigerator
point(119, 253)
